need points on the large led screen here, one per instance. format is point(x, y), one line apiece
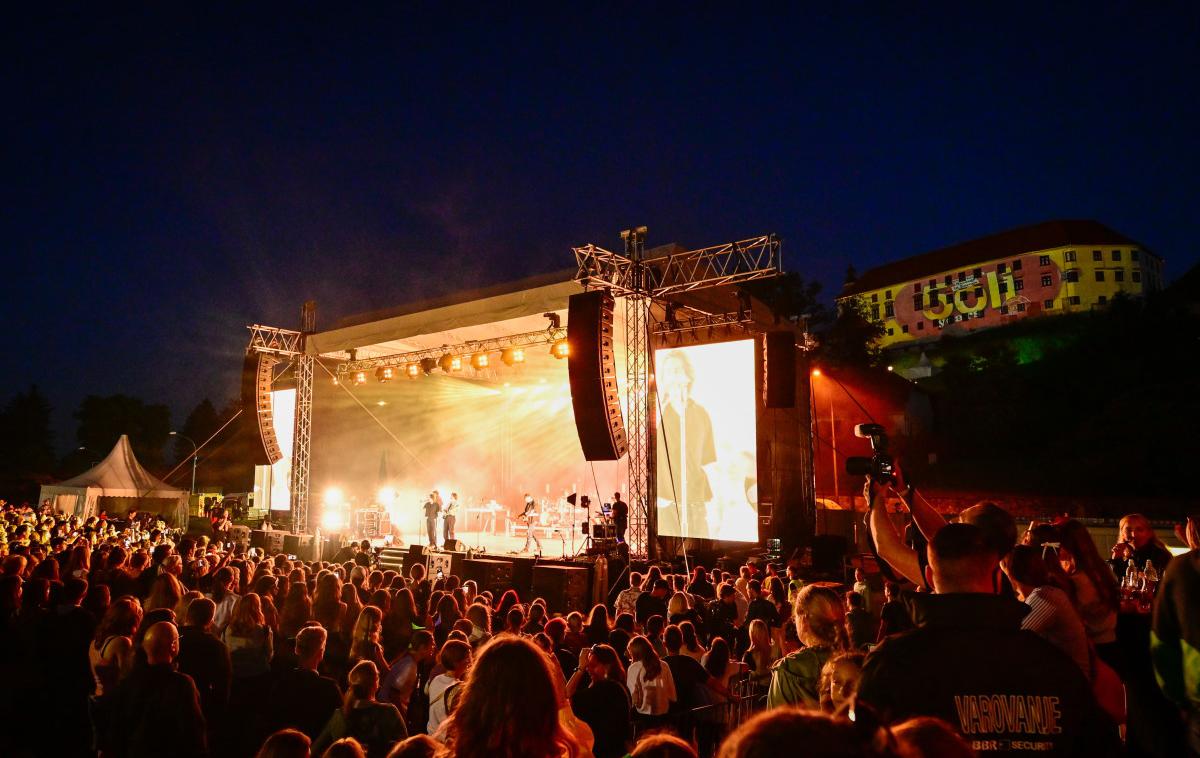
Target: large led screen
point(707, 465)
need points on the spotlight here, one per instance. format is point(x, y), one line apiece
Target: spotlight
point(479, 361)
point(360, 377)
point(444, 363)
point(334, 496)
point(816, 372)
point(890, 368)
point(413, 369)
point(456, 363)
point(335, 381)
point(560, 349)
point(518, 355)
point(385, 373)
point(428, 365)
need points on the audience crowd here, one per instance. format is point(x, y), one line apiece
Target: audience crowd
point(125, 638)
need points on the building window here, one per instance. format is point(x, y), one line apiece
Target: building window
point(1136, 276)
point(978, 273)
point(979, 292)
point(904, 328)
point(1135, 255)
point(887, 295)
point(948, 279)
point(1048, 305)
point(874, 297)
point(1099, 276)
point(1017, 265)
point(962, 276)
point(1003, 287)
point(1018, 285)
point(1073, 300)
point(1097, 255)
point(920, 326)
point(891, 332)
point(918, 302)
point(1047, 280)
point(888, 309)
point(1072, 275)
point(1001, 268)
point(1043, 260)
point(1069, 256)
point(1102, 300)
point(1004, 310)
point(1020, 307)
point(1119, 276)
point(1116, 255)
point(875, 311)
point(916, 286)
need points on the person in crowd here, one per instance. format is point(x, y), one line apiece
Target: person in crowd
point(971, 636)
point(700, 586)
point(893, 615)
point(691, 642)
point(401, 680)
point(605, 704)
point(224, 597)
point(1097, 598)
point(156, 706)
point(285, 743)
point(719, 664)
point(652, 601)
point(376, 726)
point(205, 659)
point(556, 630)
point(839, 679)
point(654, 632)
point(694, 686)
point(1175, 637)
point(164, 592)
point(1138, 542)
point(416, 746)
point(364, 643)
point(649, 681)
point(662, 745)
point(444, 689)
point(761, 655)
point(249, 639)
point(820, 625)
point(724, 617)
point(1051, 613)
point(296, 611)
point(860, 627)
point(489, 721)
point(301, 697)
point(760, 607)
point(597, 629)
point(781, 731)
point(626, 601)
point(926, 736)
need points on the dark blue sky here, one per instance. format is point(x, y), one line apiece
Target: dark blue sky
point(172, 175)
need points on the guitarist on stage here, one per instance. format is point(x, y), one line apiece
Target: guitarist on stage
point(433, 507)
point(529, 516)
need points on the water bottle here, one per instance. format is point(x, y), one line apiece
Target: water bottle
point(1149, 581)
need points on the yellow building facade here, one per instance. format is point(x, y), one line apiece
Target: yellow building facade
point(1046, 269)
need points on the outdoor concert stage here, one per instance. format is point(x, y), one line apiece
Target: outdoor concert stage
point(495, 430)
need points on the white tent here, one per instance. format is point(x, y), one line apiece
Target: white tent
point(118, 484)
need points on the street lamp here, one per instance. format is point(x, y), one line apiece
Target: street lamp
point(195, 455)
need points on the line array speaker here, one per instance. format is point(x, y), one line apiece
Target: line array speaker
point(258, 373)
point(592, 370)
point(565, 588)
point(779, 370)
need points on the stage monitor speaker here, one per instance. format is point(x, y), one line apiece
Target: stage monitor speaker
point(258, 373)
point(258, 539)
point(488, 574)
point(779, 370)
point(298, 545)
point(565, 588)
point(592, 370)
point(392, 558)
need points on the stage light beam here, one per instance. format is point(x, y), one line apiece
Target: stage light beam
point(560, 349)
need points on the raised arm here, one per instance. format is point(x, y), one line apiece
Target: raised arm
point(891, 548)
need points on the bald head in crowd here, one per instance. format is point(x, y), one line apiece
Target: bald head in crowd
point(161, 643)
point(962, 560)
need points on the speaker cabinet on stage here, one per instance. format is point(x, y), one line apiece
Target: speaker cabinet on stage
point(488, 574)
point(565, 588)
point(258, 373)
point(779, 370)
point(592, 369)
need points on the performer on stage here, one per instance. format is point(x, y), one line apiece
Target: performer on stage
point(530, 516)
point(620, 515)
point(431, 515)
point(685, 448)
point(450, 513)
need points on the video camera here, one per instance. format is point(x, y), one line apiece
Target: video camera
point(880, 467)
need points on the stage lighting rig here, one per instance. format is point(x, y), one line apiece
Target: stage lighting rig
point(385, 374)
point(555, 320)
point(444, 363)
point(560, 349)
point(428, 365)
point(479, 361)
point(413, 370)
point(360, 377)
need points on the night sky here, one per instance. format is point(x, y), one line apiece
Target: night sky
point(172, 175)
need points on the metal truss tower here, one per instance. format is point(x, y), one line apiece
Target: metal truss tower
point(302, 439)
point(642, 281)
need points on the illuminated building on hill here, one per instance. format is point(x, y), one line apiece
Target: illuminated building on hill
point(1044, 269)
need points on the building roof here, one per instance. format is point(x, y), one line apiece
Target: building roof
point(1006, 244)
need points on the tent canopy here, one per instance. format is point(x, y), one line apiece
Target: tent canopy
point(122, 480)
